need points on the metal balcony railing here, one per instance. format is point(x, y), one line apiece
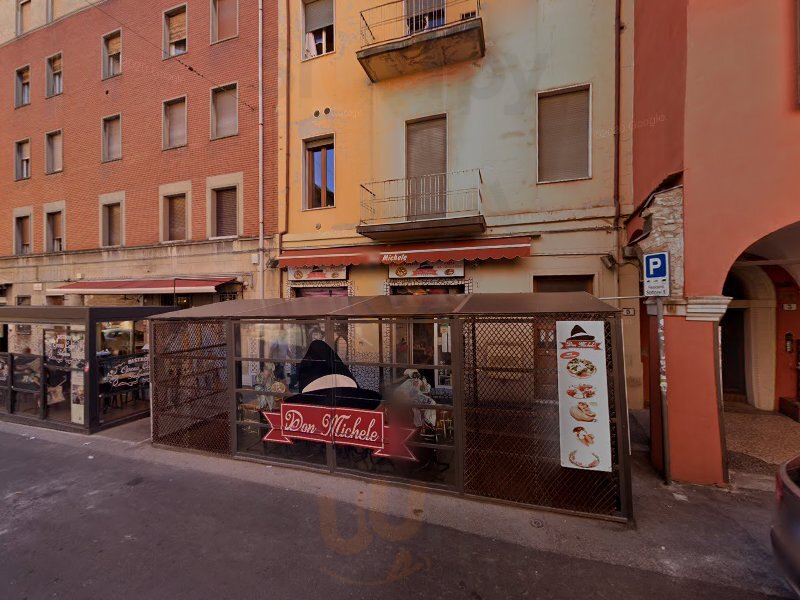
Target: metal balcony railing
point(404, 18)
point(442, 196)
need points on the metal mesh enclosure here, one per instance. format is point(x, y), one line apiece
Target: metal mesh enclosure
point(511, 437)
point(191, 401)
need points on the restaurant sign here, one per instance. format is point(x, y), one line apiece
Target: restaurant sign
point(318, 274)
point(584, 420)
point(427, 270)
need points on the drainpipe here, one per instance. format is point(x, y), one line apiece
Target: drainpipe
point(261, 244)
point(284, 225)
point(617, 134)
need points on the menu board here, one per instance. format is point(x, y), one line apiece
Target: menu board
point(583, 395)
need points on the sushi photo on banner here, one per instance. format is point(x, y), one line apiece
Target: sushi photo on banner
point(584, 420)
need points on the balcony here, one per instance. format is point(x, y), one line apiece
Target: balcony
point(410, 36)
point(432, 206)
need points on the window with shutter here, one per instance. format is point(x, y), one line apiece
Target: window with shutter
point(321, 174)
point(426, 169)
point(54, 153)
point(564, 118)
point(224, 19)
point(112, 138)
point(23, 16)
point(112, 54)
point(175, 31)
point(224, 117)
point(319, 28)
point(23, 235)
point(176, 217)
point(23, 159)
point(22, 94)
point(54, 232)
point(226, 208)
point(175, 123)
point(422, 15)
point(113, 224)
point(54, 76)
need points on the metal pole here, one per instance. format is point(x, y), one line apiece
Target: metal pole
point(662, 380)
point(261, 249)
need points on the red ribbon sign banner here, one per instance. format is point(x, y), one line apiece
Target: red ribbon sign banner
point(343, 426)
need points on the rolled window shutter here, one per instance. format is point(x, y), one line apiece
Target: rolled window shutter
point(55, 224)
point(25, 75)
point(564, 136)
point(55, 152)
point(226, 19)
point(55, 64)
point(113, 44)
point(176, 209)
point(113, 138)
point(176, 121)
point(177, 26)
point(24, 230)
point(426, 151)
point(113, 224)
point(25, 150)
point(227, 219)
point(319, 14)
point(225, 112)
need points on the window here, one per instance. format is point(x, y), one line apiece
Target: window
point(563, 283)
point(112, 224)
point(564, 135)
point(53, 152)
point(224, 111)
point(112, 138)
point(54, 232)
point(23, 159)
point(320, 174)
point(23, 16)
point(424, 14)
point(175, 31)
point(54, 10)
point(174, 126)
point(426, 168)
point(23, 234)
point(175, 211)
point(226, 218)
point(23, 300)
point(112, 54)
point(22, 95)
point(319, 28)
point(55, 76)
point(224, 19)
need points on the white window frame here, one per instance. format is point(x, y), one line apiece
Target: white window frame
point(165, 53)
point(103, 150)
point(18, 87)
point(212, 111)
point(47, 135)
point(219, 182)
point(18, 171)
point(554, 92)
point(49, 209)
point(166, 191)
point(213, 23)
point(48, 76)
point(164, 130)
point(310, 144)
point(22, 211)
point(104, 74)
point(103, 201)
point(304, 33)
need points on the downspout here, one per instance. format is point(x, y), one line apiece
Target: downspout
point(261, 244)
point(284, 226)
point(617, 135)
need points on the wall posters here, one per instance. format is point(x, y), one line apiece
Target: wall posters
point(583, 395)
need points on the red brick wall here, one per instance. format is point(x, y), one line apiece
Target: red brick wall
point(137, 94)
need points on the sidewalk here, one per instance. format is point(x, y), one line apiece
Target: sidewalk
point(686, 540)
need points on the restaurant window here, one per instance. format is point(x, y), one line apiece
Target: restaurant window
point(225, 206)
point(55, 232)
point(174, 125)
point(319, 29)
point(112, 224)
point(112, 138)
point(23, 232)
point(224, 111)
point(23, 16)
point(22, 155)
point(564, 117)
point(426, 168)
point(112, 54)
point(22, 93)
point(563, 283)
point(54, 152)
point(123, 368)
point(55, 75)
point(175, 31)
point(224, 19)
point(320, 174)
point(175, 211)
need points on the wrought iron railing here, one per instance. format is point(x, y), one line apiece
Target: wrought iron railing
point(442, 196)
point(403, 18)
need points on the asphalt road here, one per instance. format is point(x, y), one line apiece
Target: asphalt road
point(77, 522)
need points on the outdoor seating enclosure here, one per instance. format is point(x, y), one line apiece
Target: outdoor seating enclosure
point(78, 368)
point(454, 392)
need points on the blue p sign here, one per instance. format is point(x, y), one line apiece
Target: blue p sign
point(655, 265)
point(656, 274)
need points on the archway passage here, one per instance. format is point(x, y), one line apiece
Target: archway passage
point(759, 353)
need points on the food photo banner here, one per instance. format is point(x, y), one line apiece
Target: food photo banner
point(583, 396)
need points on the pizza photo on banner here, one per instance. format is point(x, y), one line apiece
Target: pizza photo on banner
point(331, 408)
point(584, 420)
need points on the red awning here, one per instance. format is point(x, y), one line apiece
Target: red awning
point(480, 249)
point(206, 285)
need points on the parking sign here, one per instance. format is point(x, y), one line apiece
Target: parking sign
point(656, 274)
